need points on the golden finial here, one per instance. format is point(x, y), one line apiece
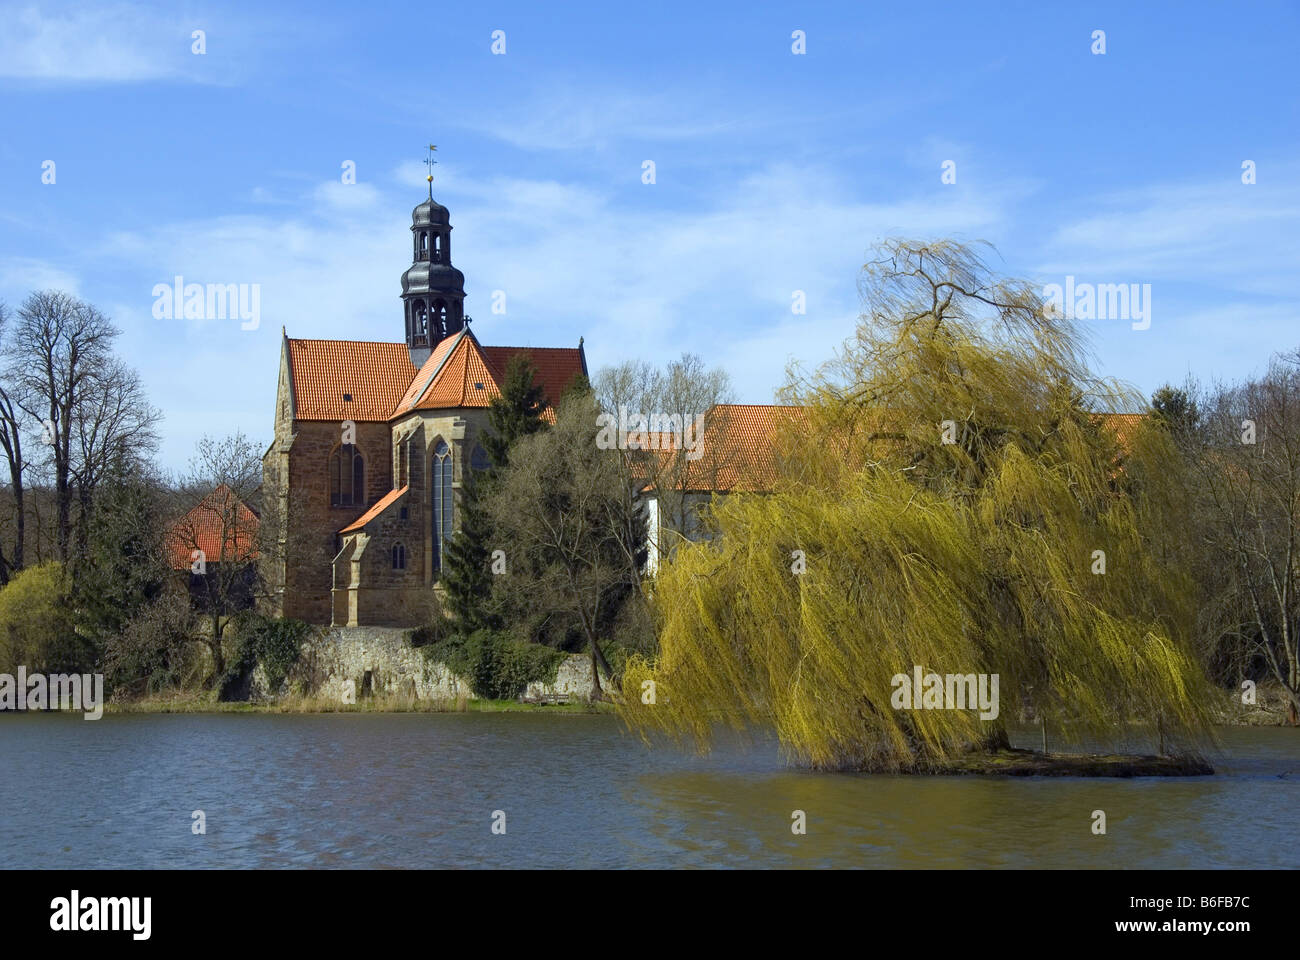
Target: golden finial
point(429, 162)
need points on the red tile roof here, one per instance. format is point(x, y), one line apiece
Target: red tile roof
point(384, 503)
point(741, 445)
point(740, 449)
point(461, 372)
point(1123, 425)
point(220, 525)
point(455, 376)
point(556, 367)
point(383, 383)
point(374, 374)
point(427, 373)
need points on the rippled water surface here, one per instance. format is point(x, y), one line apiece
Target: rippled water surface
point(419, 790)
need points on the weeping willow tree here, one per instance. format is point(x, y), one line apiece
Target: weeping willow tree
point(955, 500)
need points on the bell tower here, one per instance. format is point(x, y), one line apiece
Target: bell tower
point(433, 291)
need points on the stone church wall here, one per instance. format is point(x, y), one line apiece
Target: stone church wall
point(308, 577)
point(363, 588)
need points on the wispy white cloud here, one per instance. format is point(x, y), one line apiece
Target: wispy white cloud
point(635, 280)
point(642, 280)
point(352, 197)
point(109, 42)
point(20, 276)
point(122, 43)
point(1220, 260)
point(1219, 232)
point(584, 119)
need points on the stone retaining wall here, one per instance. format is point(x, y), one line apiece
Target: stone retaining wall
point(379, 661)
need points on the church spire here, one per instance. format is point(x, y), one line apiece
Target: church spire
point(433, 291)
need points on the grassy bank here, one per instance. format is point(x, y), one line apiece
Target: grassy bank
point(207, 703)
point(1269, 709)
point(1027, 763)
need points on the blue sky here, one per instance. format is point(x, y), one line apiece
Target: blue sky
point(775, 172)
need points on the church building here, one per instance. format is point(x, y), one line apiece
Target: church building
point(372, 443)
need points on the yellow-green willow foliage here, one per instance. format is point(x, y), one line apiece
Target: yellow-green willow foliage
point(978, 556)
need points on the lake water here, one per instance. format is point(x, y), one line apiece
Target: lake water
point(419, 790)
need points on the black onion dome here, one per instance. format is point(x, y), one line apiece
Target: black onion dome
point(429, 213)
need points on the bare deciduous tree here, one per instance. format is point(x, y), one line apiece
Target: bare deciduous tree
point(11, 442)
point(577, 541)
point(113, 425)
point(58, 347)
point(1246, 463)
point(687, 399)
point(216, 527)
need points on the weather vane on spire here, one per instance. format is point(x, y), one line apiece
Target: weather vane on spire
point(429, 162)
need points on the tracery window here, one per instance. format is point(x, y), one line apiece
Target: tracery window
point(347, 477)
point(442, 500)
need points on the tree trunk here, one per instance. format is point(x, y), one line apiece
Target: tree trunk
point(62, 482)
point(604, 664)
point(11, 440)
point(1293, 688)
point(63, 517)
point(596, 692)
point(218, 660)
point(20, 523)
point(598, 660)
point(997, 740)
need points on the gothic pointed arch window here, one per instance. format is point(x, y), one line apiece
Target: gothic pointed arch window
point(399, 556)
point(347, 477)
point(443, 503)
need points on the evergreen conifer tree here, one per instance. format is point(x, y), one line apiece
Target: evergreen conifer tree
point(466, 575)
point(516, 413)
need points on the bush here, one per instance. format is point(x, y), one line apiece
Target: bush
point(149, 652)
point(124, 568)
point(276, 644)
point(279, 645)
point(436, 625)
point(497, 665)
point(36, 624)
point(430, 633)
